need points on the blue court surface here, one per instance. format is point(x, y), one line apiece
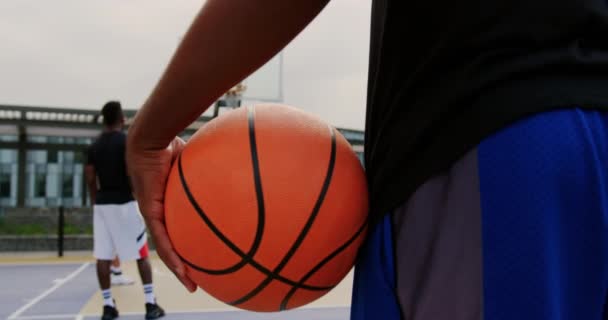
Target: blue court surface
point(69, 291)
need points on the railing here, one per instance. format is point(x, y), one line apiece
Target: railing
point(60, 231)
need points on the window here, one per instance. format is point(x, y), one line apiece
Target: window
point(54, 177)
point(40, 185)
point(361, 157)
point(8, 178)
point(5, 185)
point(52, 156)
point(67, 157)
point(55, 139)
point(67, 188)
point(36, 156)
point(84, 140)
point(36, 178)
point(8, 138)
point(8, 156)
point(37, 139)
point(79, 157)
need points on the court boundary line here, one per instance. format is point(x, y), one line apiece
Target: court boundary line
point(193, 311)
point(47, 292)
point(48, 316)
point(42, 263)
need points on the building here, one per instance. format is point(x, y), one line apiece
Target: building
point(42, 154)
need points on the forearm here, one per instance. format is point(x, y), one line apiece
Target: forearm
point(228, 40)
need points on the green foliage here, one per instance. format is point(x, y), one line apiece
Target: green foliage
point(20, 229)
point(74, 229)
point(37, 229)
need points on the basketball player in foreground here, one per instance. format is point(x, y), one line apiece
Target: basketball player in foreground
point(118, 227)
point(486, 149)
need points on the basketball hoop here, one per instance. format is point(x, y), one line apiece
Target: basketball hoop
point(233, 96)
point(231, 99)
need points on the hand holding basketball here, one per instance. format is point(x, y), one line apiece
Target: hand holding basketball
point(267, 206)
point(148, 170)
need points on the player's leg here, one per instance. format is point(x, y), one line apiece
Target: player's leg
point(516, 229)
point(104, 252)
point(423, 261)
point(117, 276)
point(103, 277)
point(145, 271)
point(374, 295)
point(116, 262)
point(544, 199)
point(153, 310)
point(437, 247)
point(130, 230)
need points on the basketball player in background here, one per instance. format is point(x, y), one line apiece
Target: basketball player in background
point(486, 149)
point(119, 230)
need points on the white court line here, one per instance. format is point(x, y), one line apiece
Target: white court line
point(38, 263)
point(194, 311)
point(213, 310)
point(50, 290)
point(49, 316)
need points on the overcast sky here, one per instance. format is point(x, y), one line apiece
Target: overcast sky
point(74, 53)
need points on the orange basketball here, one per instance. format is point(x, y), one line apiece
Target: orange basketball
point(267, 206)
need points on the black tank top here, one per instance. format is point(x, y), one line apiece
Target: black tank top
point(445, 74)
point(107, 155)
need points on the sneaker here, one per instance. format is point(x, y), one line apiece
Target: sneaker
point(109, 313)
point(154, 311)
point(121, 280)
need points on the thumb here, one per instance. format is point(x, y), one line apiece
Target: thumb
point(177, 145)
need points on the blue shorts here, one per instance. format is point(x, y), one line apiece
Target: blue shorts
point(516, 229)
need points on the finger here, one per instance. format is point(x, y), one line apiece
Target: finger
point(177, 145)
point(188, 283)
point(165, 250)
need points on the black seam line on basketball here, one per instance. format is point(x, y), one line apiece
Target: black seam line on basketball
point(260, 200)
point(229, 243)
point(320, 265)
point(257, 179)
point(228, 270)
point(305, 229)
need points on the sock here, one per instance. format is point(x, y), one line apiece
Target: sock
point(149, 292)
point(107, 298)
point(115, 271)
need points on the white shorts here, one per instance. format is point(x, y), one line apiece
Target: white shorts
point(119, 229)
